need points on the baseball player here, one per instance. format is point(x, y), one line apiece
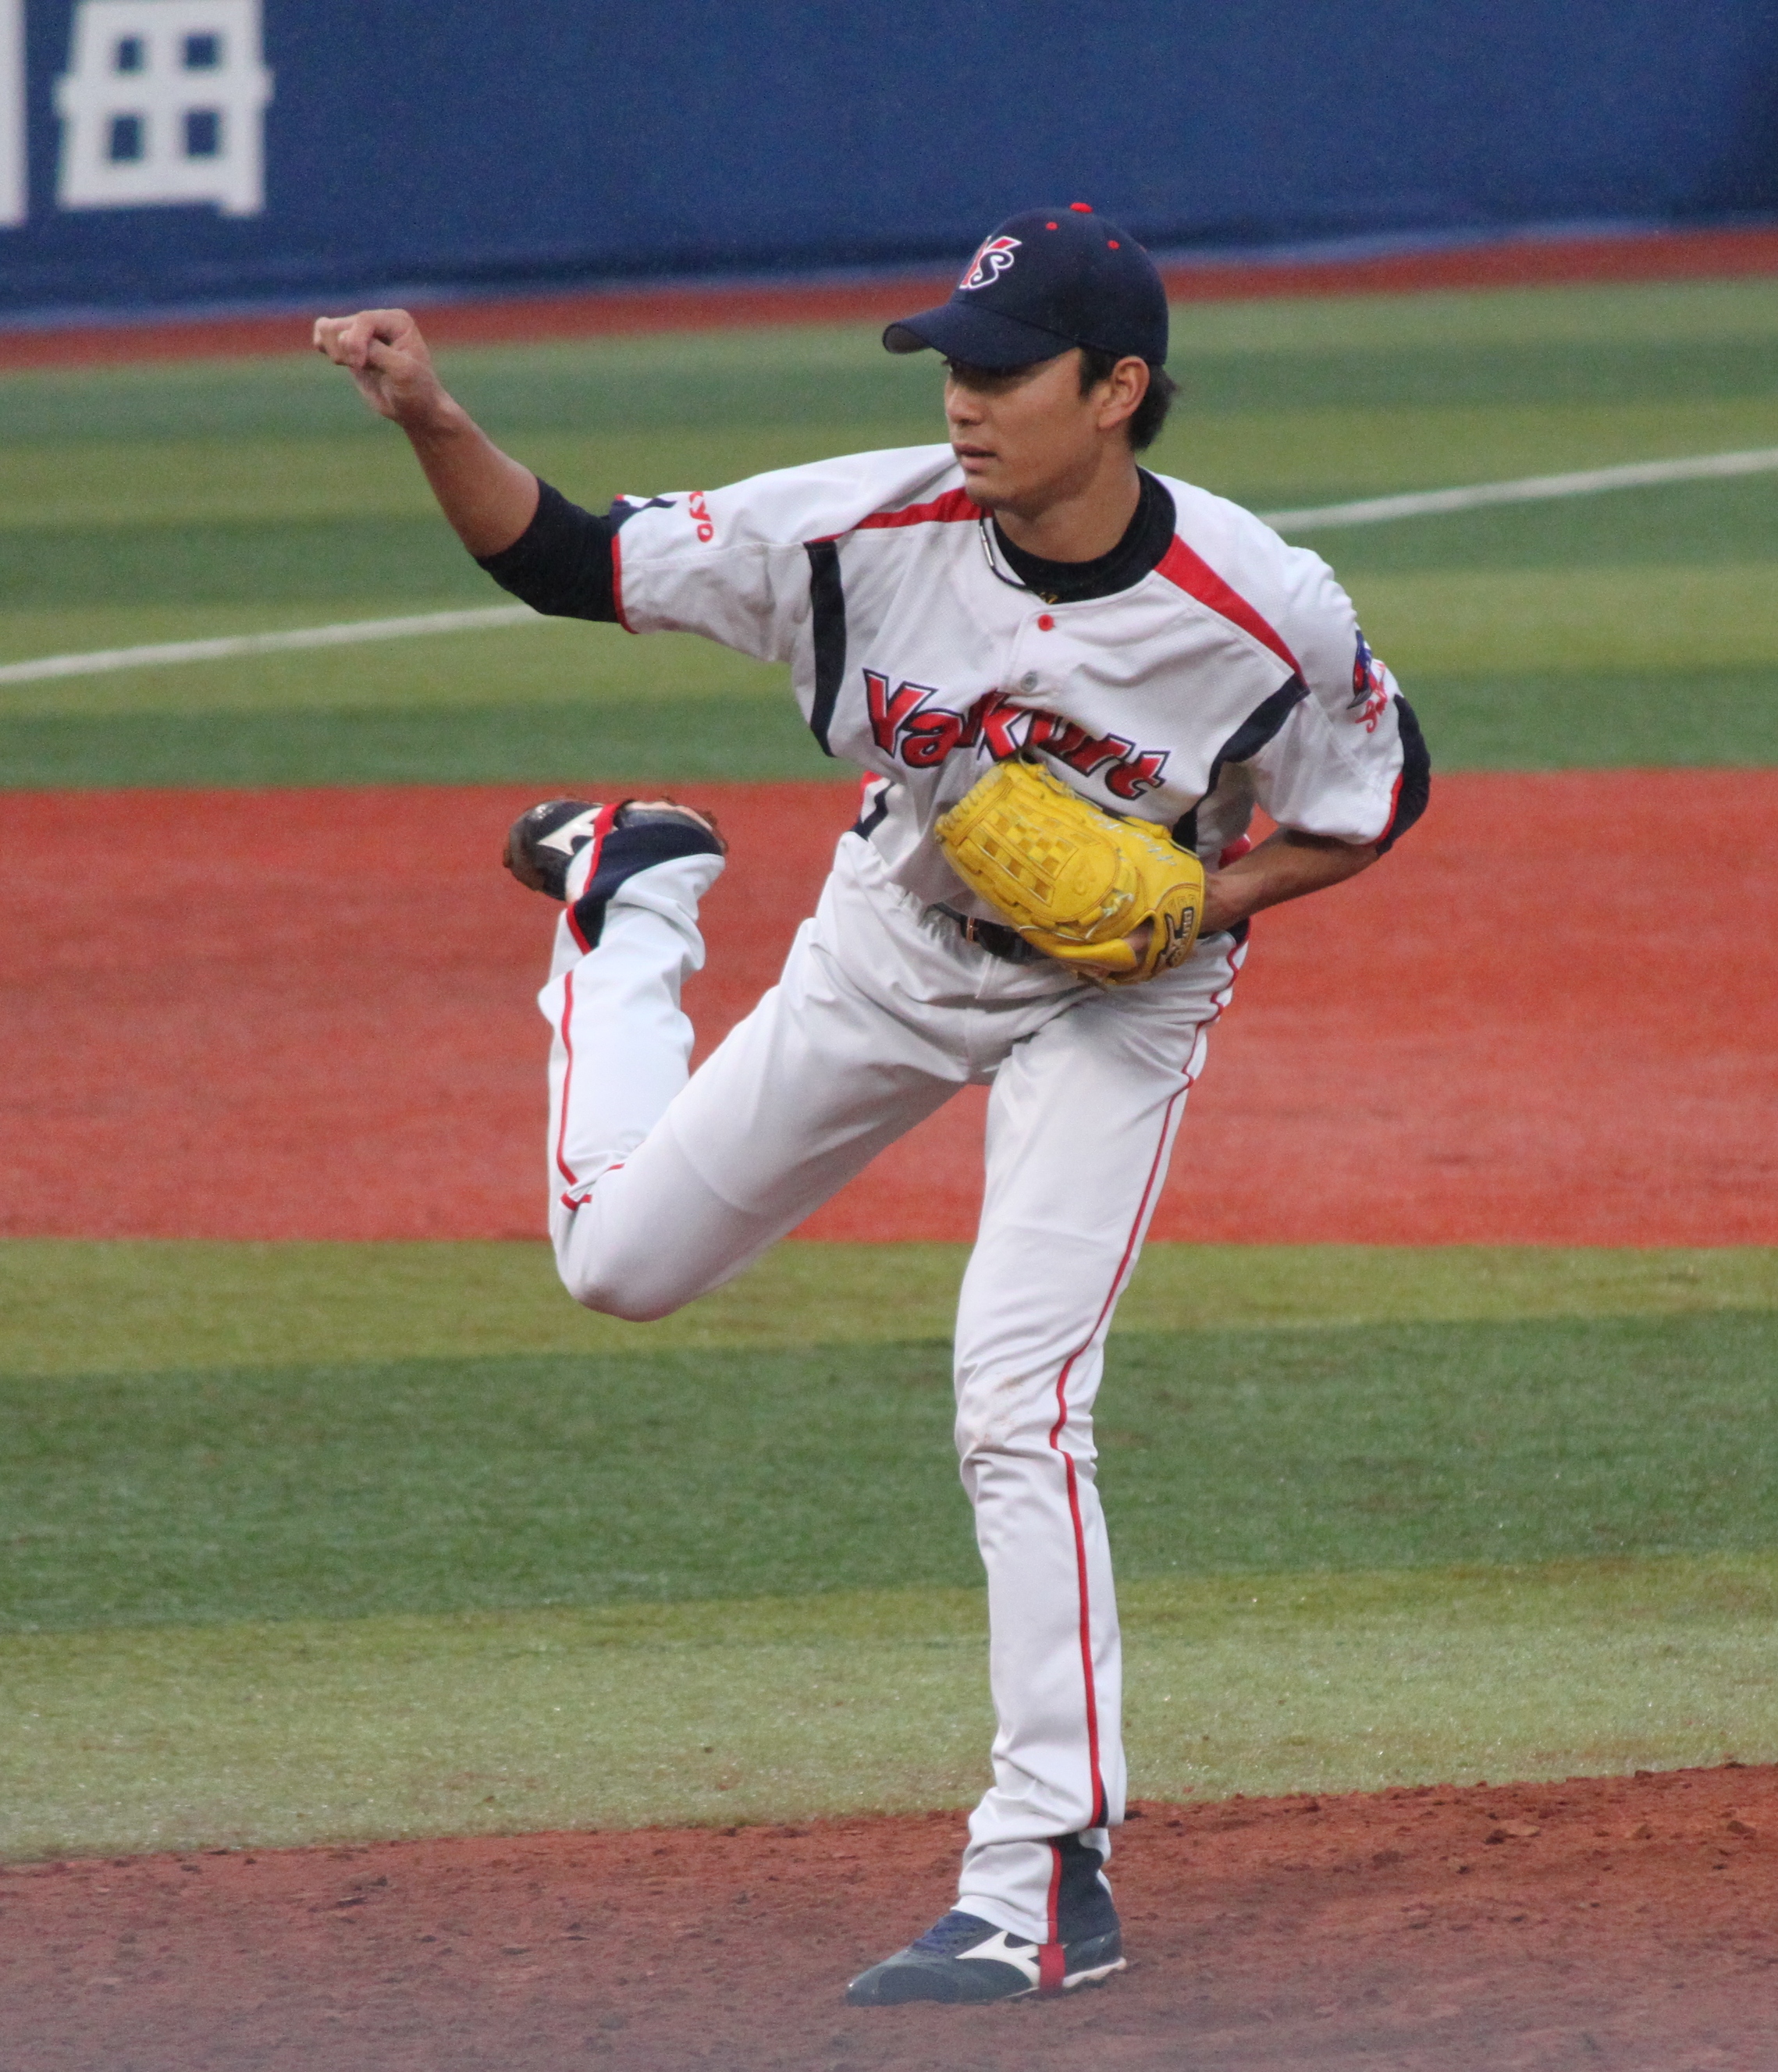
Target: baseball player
point(1070, 684)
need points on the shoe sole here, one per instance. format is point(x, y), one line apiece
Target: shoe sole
point(1100, 1975)
point(1097, 1976)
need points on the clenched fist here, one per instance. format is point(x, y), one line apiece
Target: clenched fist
point(386, 355)
point(488, 496)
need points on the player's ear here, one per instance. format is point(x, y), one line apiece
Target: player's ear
point(1121, 392)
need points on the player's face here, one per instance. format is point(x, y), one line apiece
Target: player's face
point(1027, 437)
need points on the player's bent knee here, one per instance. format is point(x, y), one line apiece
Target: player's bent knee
point(635, 1290)
point(626, 1308)
point(628, 1300)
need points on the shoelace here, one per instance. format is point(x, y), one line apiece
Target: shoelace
point(956, 1932)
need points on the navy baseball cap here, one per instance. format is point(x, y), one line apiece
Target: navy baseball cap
point(1046, 280)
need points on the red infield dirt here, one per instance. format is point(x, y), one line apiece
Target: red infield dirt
point(1620, 1923)
point(308, 1014)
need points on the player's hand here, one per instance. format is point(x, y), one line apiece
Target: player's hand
point(1137, 942)
point(386, 355)
point(1222, 907)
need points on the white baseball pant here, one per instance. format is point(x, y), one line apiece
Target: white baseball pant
point(665, 1184)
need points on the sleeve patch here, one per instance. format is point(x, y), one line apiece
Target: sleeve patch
point(1370, 688)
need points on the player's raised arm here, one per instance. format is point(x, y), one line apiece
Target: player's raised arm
point(489, 498)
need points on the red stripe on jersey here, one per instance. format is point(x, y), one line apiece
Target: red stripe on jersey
point(1194, 575)
point(954, 507)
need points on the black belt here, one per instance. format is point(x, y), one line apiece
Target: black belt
point(997, 940)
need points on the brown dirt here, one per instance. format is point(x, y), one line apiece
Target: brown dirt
point(1509, 262)
point(1625, 1924)
point(308, 1014)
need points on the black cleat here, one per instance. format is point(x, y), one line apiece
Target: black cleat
point(542, 845)
point(963, 1960)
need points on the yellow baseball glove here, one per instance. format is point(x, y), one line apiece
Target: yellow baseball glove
point(1074, 880)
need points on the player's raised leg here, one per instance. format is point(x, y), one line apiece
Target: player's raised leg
point(665, 1184)
point(631, 877)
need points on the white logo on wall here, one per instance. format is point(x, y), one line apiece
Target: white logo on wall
point(164, 101)
point(14, 199)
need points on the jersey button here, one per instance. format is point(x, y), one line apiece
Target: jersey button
point(1046, 624)
point(1028, 682)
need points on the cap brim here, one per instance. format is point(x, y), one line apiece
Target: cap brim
point(977, 336)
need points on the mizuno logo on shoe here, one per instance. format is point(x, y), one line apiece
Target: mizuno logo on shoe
point(1005, 1949)
point(569, 833)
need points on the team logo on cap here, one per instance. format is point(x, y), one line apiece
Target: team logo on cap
point(990, 262)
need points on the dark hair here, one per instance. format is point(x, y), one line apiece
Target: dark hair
point(1147, 419)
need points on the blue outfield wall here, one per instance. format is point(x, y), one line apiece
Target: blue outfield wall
point(150, 153)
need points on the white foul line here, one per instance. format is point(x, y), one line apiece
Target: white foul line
point(1368, 511)
point(1528, 489)
point(267, 644)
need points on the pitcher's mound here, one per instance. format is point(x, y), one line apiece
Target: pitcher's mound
point(1625, 1923)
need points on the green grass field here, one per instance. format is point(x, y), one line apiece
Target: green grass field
point(339, 1541)
point(166, 504)
point(346, 1541)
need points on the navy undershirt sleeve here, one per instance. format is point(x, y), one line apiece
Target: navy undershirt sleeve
point(561, 563)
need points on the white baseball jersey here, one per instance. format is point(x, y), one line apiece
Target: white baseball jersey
point(1233, 674)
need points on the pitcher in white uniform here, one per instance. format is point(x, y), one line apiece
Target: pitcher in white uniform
point(1024, 589)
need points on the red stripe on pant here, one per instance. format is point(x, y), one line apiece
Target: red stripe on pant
point(1100, 1809)
point(562, 1166)
point(602, 824)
